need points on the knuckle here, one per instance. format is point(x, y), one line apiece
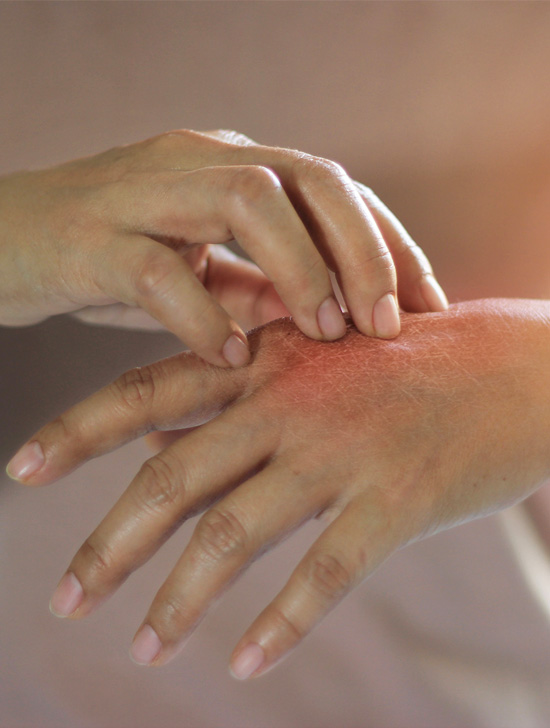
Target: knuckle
point(326, 167)
point(136, 388)
point(61, 430)
point(381, 261)
point(413, 255)
point(283, 624)
point(328, 576)
point(220, 534)
point(230, 136)
point(171, 615)
point(169, 140)
point(159, 485)
point(153, 273)
point(67, 436)
point(367, 192)
point(248, 184)
point(317, 169)
point(98, 558)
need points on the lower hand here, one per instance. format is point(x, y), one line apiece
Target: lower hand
point(386, 441)
point(125, 236)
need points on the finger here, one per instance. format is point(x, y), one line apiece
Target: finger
point(144, 273)
point(334, 214)
point(239, 286)
point(171, 486)
point(118, 315)
point(267, 227)
point(350, 240)
point(216, 205)
point(418, 289)
point(181, 391)
point(350, 549)
point(242, 289)
point(230, 535)
point(341, 226)
point(157, 441)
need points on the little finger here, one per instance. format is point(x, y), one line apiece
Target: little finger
point(418, 289)
point(181, 391)
point(348, 550)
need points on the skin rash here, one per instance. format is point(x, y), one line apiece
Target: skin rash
point(388, 441)
point(446, 372)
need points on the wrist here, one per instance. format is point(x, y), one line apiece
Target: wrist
point(505, 343)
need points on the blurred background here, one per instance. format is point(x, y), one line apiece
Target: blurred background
point(442, 108)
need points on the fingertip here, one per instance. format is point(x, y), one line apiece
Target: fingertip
point(385, 317)
point(330, 319)
point(247, 662)
point(67, 597)
point(235, 351)
point(146, 646)
point(26, 462)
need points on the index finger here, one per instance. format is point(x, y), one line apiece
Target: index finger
point(179, 392)
point(345, 232)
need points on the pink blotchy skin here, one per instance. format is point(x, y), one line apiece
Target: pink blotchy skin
point(388, 441)
point(446, 371)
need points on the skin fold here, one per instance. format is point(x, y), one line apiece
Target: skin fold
point(127, 236)
point(386, 441)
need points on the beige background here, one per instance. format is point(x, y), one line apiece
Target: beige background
point(442, 108)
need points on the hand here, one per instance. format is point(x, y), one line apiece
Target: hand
point(131, 228)
point(388, 442)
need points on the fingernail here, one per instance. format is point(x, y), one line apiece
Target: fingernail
point(330, 319)
point(385, 317)
point(26, 462)
point(67, 597)
point(247, 662)
point(235, 351)
point(433, 294)
point(146, 646)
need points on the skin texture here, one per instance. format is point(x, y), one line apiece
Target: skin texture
point(387, 441)
point(125, 237)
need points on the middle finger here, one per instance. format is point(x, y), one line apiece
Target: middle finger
point(228, 537)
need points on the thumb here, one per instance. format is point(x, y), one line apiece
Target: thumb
point(242, 289)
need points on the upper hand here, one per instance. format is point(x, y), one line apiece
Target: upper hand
point(131, 228)
point(386, 441)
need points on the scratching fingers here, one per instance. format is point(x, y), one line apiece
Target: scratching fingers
point(419, 290)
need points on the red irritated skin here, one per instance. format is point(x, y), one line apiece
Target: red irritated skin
point(387, 441)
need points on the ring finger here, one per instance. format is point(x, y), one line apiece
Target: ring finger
point(230, 535)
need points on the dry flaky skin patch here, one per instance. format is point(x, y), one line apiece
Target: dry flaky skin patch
point(389, 441)
point(406, 404)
